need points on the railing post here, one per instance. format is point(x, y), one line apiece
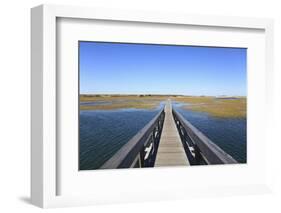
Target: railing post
point(142, 155)
point(197, 154)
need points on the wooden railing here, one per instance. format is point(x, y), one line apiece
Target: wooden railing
point(141, 150)
point(199, 148)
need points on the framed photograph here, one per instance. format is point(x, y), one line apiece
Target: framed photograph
point(130, 106)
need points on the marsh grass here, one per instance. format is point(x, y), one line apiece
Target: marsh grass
point(218, 107)
point(121, 101)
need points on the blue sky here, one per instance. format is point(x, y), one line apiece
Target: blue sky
point(116, 68)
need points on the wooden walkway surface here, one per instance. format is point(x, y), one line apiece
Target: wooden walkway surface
point(170, 150)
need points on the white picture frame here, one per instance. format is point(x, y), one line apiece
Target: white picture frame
point(44, 148)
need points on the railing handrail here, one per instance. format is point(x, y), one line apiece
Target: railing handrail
point(125, 157)
point(210, 151)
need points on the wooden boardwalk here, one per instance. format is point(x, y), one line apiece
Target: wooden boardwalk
point(170, 150)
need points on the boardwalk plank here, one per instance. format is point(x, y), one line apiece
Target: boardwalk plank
point(170, 151)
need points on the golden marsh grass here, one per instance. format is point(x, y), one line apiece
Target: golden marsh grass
point(218, 107)
point(121, 101)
